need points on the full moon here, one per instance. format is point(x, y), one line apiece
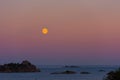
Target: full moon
point(45, 30)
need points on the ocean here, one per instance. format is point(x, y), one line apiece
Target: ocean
point(45, 74)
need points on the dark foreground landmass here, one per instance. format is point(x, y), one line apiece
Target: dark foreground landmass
point(25, 66)
point(113, 75)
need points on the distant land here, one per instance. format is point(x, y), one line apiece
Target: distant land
point(25, 66)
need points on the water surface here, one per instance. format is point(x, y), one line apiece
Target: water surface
point(46, 70)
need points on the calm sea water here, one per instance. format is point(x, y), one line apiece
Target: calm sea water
point(46, 70)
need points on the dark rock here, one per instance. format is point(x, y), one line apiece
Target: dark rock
point(71, 66)
point(25, 66)
point(68, 72)
point(113, 75)
point(65, 72)
point(101, 70)
point(84, 72)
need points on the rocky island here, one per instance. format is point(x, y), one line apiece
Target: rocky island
point(65, 72)
point(25, 66)
point(72, 66)
point(84, 72)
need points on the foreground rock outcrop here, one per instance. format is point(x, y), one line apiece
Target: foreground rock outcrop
point(113, 75)
point(25, 66)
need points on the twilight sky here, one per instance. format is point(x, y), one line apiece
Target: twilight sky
point(80, 31)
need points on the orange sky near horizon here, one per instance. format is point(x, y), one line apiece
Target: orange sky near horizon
point(76, 28)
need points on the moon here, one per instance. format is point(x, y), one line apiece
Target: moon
point(44, 30)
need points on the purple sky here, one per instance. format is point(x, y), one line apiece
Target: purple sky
point(80, 31)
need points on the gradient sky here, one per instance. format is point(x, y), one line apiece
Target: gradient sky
point(80, 31)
